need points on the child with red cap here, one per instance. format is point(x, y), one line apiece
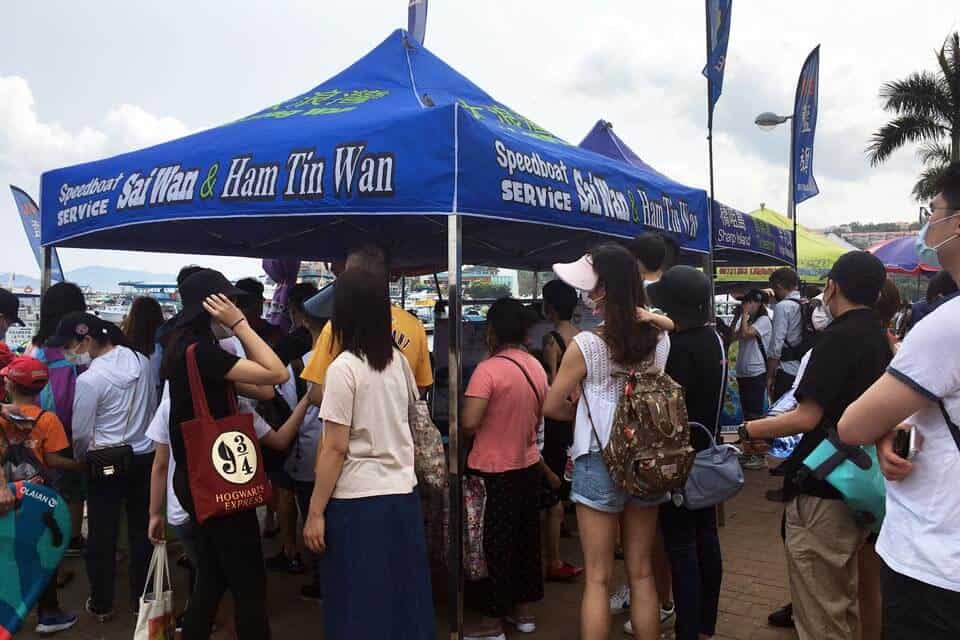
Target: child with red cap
point(37, 436)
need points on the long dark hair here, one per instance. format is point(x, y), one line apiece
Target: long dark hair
point(175, 346)
point(59, 300)
point(361, 319)
point(141, 324)
point(630, 342)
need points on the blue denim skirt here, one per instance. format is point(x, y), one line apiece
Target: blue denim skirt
point(593, 487)
point(376, 580)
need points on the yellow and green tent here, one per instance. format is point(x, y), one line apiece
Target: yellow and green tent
point(817, 253)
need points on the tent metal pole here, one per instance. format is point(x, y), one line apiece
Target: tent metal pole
point(455, 526)
point(46, 269)
point(403, 292)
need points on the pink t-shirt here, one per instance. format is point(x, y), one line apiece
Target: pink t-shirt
point(507, 437)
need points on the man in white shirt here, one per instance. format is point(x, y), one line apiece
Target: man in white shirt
point(920, 539)
point(783, 363)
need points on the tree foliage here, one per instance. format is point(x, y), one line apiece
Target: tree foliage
point(926, 110)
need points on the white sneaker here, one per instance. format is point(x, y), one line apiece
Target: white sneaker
point(665, 616)
point(524, 626)
point(620, 601)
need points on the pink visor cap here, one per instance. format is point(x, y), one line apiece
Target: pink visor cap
point(579, 275)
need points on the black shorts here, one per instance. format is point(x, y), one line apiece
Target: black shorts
point(914, 609)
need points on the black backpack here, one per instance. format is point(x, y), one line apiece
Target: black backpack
point(808, 335)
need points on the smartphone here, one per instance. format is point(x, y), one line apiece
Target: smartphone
point(905, 443)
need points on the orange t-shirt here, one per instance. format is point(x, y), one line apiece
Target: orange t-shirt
point(46, 436)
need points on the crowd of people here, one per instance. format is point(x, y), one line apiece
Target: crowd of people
point(112, 416)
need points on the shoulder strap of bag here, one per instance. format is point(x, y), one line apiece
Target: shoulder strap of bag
point(200, 407)
point(533, 387)
point(560, 341)
point(951, 425)
point(586, 403)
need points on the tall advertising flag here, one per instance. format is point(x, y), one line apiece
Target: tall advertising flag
point(718, 34)
point(805, 127)
point(417, 19)
point(30, 216)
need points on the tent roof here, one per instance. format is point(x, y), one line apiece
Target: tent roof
point(737, 238)
point(383, 151)
point(817, 252)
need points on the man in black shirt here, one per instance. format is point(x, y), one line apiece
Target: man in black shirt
point(697, 362)
point(822, 535)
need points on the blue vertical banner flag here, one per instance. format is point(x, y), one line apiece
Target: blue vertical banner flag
point(805, 128)
point(718, 34)
point(417, 20)
point(30, 216)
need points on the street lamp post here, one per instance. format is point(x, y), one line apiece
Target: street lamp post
point(768, 121)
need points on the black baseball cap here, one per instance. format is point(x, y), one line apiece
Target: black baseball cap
point(197, 288)
point(77, 326)
point(860, 276)
point(10, 307)
point(755, 295)
point(684, 294)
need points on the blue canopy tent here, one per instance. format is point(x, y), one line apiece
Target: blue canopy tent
point(384, 150)
point(398, 148)
point(738, 238)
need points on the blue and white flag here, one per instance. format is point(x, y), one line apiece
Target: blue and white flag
point(805, 127)
point(30, 216)
point(417, 20)
point(718, 34)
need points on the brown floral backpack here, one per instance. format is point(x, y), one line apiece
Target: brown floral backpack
point(649, 451)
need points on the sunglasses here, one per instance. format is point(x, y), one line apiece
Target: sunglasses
point(928, 211)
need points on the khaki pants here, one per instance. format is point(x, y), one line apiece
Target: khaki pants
point(822, 544)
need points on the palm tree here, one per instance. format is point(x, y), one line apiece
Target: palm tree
point(927, 108)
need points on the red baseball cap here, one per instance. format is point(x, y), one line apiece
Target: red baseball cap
point(27, 372)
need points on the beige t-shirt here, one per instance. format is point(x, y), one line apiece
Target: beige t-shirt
point(374, 405)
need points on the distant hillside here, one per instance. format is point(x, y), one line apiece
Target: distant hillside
point(97, 278)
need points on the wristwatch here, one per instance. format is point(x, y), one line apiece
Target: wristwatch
point(743, 433)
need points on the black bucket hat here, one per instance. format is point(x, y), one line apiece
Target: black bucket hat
point(684, 294)
point(197, 288)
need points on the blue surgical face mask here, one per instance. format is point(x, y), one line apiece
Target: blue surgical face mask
point(928, 254)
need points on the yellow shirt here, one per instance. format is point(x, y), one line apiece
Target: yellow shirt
point(408, 333)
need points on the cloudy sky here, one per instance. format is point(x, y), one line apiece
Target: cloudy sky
point(81, 81)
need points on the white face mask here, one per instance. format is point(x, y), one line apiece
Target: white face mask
point(590, 303)
point(77, 359)
point(821, 317)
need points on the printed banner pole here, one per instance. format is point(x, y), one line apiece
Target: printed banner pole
point(417, 20)
point(30, 217)
point(717, 36)
point(802, 133)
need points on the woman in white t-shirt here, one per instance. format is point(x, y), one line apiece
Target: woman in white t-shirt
point(753, 330)
point(610, 285)
point(365, 512)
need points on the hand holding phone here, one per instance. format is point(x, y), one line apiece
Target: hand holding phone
point(905, 443)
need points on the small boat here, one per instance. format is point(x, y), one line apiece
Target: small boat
point(114, 313)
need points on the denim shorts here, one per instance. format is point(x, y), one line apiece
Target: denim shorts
point(593, 487)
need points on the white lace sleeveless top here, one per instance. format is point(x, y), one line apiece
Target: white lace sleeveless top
point(602, 390)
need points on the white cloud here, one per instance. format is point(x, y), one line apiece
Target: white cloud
point(29, 145)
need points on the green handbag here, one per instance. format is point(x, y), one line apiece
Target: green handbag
point(854, 471)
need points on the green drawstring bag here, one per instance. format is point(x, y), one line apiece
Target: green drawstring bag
point(854, 471)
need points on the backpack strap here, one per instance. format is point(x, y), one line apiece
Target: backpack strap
point(586, 403)
point(951, 425)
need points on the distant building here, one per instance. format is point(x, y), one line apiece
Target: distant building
point(865, 240)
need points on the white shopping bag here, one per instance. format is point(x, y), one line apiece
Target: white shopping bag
point(155, 620)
